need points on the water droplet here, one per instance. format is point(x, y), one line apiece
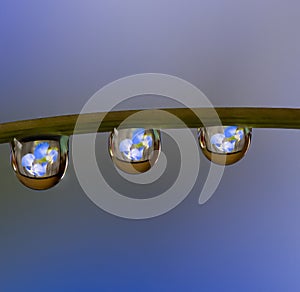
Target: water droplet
point(134, 150)
point(224, 144)
point(40, 162)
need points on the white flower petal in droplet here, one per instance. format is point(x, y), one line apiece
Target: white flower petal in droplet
point(27, 160)
point(228, 146)
point(136, 154)
point(217, 139)
point(125, 145)
point(39, 169)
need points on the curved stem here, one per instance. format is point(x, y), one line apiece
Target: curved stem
point(288, 118)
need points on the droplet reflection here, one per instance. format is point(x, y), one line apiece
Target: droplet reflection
point(40, 162)
point(224, 144)
point(134, 150)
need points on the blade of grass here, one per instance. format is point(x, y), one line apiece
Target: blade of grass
point(288, 118)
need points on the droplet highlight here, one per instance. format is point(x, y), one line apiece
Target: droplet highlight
point(40, 162)
point(224, 145)
point(134, 150)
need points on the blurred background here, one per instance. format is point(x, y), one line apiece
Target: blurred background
point(55, 55)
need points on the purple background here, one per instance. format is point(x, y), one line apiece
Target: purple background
point(55, 54)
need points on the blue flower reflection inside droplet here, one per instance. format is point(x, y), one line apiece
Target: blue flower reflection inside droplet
point(133, 149)
point(230, 131)
point(226, 142)
point(43, 155)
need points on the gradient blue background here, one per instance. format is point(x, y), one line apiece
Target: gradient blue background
point(55, 54)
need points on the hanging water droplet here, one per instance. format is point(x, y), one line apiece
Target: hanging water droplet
point(224, 144)
point(134, 150)
point(40, 162)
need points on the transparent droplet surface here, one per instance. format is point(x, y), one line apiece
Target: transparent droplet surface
point(134, 150)
point(224, 144)
point(40, 162)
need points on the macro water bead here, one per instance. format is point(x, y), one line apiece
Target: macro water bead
point(134, 150)
point(40, 162)
point(224, 144)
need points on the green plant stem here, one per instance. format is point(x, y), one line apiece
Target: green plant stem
point(288, 118)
